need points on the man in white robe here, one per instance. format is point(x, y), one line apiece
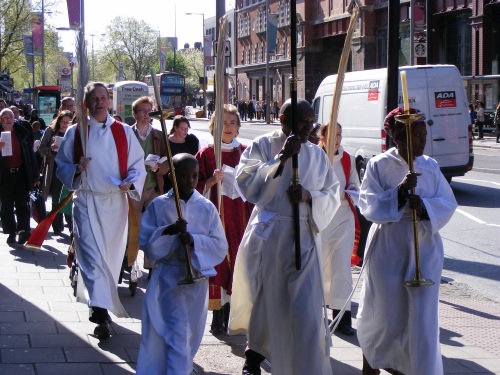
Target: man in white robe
point(100, 211)
point(174, 316)
point(278, 307)
point(398, 325)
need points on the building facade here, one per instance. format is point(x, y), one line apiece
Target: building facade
point(459, 32)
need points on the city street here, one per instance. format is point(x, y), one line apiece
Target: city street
point(43, 331)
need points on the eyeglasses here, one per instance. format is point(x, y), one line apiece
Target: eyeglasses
point(143, 111)
point(7, 117)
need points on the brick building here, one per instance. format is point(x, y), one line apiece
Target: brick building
point(461, 32)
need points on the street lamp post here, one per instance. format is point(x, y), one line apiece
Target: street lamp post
point(43, 43)
point(204, 71)
point(93, 61)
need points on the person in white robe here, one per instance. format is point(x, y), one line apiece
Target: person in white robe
point(337, 240)
point(278, 307)
point(101, 206)
point(174, 316)
point(398, 325)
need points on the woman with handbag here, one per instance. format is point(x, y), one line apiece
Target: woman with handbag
point(51, 184)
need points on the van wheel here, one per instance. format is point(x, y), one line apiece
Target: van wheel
point(361, 167)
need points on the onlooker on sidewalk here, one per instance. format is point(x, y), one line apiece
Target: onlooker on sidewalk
point(480, 119)
point(473, 116)
point(398, 325)
point(174, 316)
point(100, 210)
point(52, 185)
point(152, 142)
point(19, 173)
point(496, 121)
point(278, 307)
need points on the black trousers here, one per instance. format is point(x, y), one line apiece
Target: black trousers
point(55, 192)
point(14, 193)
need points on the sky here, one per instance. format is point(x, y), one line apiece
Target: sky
point(159, 14)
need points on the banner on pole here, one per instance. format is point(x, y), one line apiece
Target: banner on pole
point(272, 29)
point(74, 15)
point(36, 32)
point(207, 50)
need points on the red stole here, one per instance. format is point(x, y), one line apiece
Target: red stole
point(120, 143)
point(346, 166)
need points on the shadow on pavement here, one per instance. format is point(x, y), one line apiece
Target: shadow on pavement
point(467, 194)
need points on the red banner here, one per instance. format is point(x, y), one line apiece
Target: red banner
point(74, 13)
point(36, 32)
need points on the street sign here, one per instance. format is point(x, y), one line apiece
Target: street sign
point(28, 91)
point(65, 71)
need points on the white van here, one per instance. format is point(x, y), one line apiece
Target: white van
point(124, 94)
point(434, 90)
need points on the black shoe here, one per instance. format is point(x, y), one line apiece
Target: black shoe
point(217, 326)
point(345, 325)
point(250, 370)
point(102, 331)
point(12, 238)
point(345, 330)
point(23, 237)
point(252, 362)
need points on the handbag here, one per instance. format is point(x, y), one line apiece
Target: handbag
point(37, 205)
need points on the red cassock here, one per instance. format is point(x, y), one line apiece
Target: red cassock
point(234, 217)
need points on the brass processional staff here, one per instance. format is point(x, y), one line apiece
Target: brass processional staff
point(161, 115)
point(407, 119)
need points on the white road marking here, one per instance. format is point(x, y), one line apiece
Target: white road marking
point(473, 218)
point(485, 169)
point(473, 180)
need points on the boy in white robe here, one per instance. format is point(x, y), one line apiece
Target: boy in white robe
point(278, 307)
point(174, 316)
point(398, 325)
point(101, 207)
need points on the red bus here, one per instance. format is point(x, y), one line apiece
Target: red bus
point(172, 90)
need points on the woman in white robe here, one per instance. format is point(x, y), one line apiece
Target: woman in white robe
point(398, 325)
point(337, 240)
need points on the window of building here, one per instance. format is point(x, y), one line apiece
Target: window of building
point(244, 56)
point(456, 42)
point(381, 48)
point(256, 53)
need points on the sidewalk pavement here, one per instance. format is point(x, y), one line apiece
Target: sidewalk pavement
point(43, 331)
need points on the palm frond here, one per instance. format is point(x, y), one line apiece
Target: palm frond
point(220, 67)
point(82, 80)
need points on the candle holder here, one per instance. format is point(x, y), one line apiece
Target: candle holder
point(408, 118)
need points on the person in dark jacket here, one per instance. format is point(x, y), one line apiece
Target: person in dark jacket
point(19, 173)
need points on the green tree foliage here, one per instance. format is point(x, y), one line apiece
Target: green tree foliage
point(132, 42)
point(14, 22)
